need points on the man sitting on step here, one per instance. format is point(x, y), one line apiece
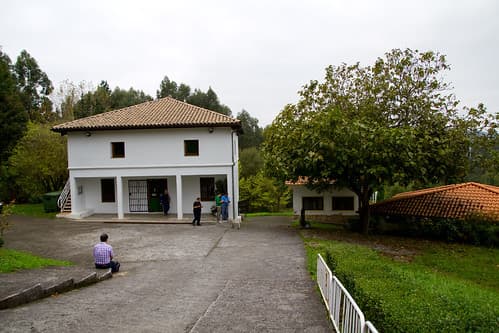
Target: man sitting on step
point(103, 255)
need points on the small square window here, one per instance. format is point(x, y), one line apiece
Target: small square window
point(342, 203)
point(191, 147)
point(118, 149)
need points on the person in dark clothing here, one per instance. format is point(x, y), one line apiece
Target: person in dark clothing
point(196, 209)
point(165, 202)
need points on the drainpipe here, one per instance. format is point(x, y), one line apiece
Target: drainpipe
point(233, 165)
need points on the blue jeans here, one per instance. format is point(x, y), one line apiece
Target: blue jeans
point(225, 211)
point(114, 265)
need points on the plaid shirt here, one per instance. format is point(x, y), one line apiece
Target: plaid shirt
point(103, 253)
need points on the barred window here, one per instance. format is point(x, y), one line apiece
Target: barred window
point(207, 189)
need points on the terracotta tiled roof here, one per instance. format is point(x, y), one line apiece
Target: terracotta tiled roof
point(450, 201)
point(302, 180)
point(162, 113)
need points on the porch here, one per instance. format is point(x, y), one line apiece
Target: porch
point(150, 218)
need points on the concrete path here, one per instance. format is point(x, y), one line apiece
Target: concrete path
point(174, 278)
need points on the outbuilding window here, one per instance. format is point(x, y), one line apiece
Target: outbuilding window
point(343, 203)
point(313, 203)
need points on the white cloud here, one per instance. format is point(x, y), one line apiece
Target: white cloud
point(257, 54)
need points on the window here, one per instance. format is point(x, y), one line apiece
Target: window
point(342, 203)
point(107, 190)
point(207, 189)
point(313, 203)
point(118, 149)
point(191, 147)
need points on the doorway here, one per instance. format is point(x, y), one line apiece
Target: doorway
point(155, 187)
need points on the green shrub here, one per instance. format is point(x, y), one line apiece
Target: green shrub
point(476, 229)
point(419, 297)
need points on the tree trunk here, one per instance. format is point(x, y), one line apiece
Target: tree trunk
point(364, 210)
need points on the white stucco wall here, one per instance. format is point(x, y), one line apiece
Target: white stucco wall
point(152, 147)
point(300, 191)
point(156, 153)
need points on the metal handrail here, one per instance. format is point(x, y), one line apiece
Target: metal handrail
point(369, 328)
point(63, 198)
point(344, 312)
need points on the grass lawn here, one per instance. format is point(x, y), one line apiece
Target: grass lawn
point(281, 213)
point(11, 260)
point(35, 210)
point(409, 285)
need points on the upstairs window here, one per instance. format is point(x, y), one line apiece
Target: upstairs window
point(313, 203)
point(117, 149)
point(191, 147)
point(342, 203)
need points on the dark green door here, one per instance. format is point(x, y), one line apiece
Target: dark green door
point(154, 188)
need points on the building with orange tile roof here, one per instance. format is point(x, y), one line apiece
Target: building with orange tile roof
point(449, 201)
point(122, 161)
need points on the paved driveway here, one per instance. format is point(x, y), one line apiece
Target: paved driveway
point(175, 278)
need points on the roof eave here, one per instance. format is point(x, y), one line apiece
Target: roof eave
point(65, 130)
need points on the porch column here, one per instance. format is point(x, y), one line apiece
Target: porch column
point(73, 192)
point(230, 192)
point(119, 197)
point(180, 213)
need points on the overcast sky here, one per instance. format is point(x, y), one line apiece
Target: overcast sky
point(255, 54)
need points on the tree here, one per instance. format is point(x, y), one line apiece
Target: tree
point(31, 177)
point(263, 194)
point(251, 162)
point(13, 117)
point(208, 100)
point(252, 134)
point(66, 98)
point(364, 127)
point(121, 98)
point(94, 102)
point(35, 88)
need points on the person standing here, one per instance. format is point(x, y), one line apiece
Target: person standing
point(103, 255)
point(165, 202)
point(196, 209)
point(225, 207)
point(218, 205)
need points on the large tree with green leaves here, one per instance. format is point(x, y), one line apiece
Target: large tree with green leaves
point(208, 100)
point(13, 116)
point(252, 134)
point(29, 177)
point(103, 99)
point(363, 127)
point(35, 88)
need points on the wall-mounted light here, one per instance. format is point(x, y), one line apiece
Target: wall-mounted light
point(210, 129)
point(88, 134)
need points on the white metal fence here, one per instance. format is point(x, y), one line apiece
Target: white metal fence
point(343, 311)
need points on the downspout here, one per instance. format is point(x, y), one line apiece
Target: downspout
point(233, 164)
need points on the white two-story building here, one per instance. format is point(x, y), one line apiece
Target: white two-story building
point(121, 161)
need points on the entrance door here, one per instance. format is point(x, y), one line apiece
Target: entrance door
point(154, 188)
point(137, 191)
